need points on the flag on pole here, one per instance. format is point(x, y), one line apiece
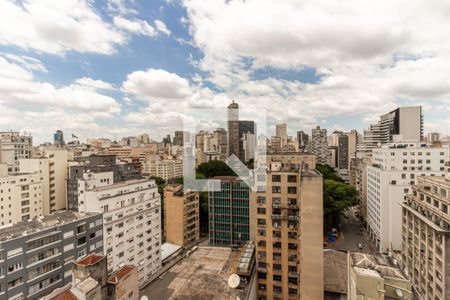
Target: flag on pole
point(74, 136)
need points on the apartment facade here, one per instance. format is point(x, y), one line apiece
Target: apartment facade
point(319, 144)
point(167, 169)
point(229, 213)
point(281, 132)
point(21, 197)
point(37, 255)
point(132, 220)
point(96, 164)
point(425, 233)
point(287, 221)
point(403, 123)
point(13, 147)
point(181, 216)
point(395, 168)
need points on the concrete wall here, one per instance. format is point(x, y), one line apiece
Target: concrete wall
point(311, 224)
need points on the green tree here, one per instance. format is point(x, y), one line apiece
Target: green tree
point(337, 197)
point(215, 168)
point(328, 172)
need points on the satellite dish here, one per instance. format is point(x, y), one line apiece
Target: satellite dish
point(399, 293)
point(234, 280)
point(144, 298)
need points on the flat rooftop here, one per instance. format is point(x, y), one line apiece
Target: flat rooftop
point(202, 275)
point(23, 228)
point(123, 184)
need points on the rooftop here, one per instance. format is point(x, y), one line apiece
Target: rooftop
point(202, 275)
point(167, 249)
point(66, 295)
point(126, 183)
point(89, 260)
point(120, 274)
point(379, 264)
point(335, 271)
point(23, 228)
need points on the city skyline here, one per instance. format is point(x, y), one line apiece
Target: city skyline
point(336, 66)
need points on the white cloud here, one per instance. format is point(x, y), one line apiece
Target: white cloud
point(156, 83)
point(121, 7)
point(135, 26)
point(29, 63)
point(19, 89)
point(93, 83)
point(162, 27)
point(56, 27)
point(368, 54)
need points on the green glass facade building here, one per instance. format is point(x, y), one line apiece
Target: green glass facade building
point(229, 213)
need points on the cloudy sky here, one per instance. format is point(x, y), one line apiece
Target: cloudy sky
point(112, 68)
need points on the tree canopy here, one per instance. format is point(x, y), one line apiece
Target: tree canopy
point(328, 172)
point(215, 168)
point(337, 197)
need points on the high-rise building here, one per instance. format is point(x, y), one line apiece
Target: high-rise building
point(281, 132)
point(233, 129)
point(319, 144)
point(181, 215)
point(37, 255)
point(220, 135)
point(95, 164)
point(248, 144)
point(58, 168)
point(229, 215)
point(352, 145)
point(131, 220)
point(180, 137)
point(21, 197)
point(426, 243)
point(236, 130)
point(402, 124)
point(343, 159)
point(13, 147)
point(287, 224)
point(395, 168)
point(303, 141)
point(58, 138)
point(434, 137)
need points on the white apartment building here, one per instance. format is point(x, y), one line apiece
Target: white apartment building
point(20, 198)
point(395, 167)
point(164, 168)
point(14, 146)
point(131, 220)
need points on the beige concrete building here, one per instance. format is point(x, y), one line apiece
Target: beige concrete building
point(20, 197)
point(181, 216)
point(426, 236)
point(288, 221)
point(53, 167)
point(358, 179)
point(14, 146)
point(167, 168)
point(371, 277)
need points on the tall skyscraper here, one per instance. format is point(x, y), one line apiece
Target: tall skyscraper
point(229, 213)
point(287, 224)
point(58, 138)
point(319, 144)
point(236, 130)
point(13, 147)
point(425, 228)
point(281, 132)
point(233, 129)
point(303, 141)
